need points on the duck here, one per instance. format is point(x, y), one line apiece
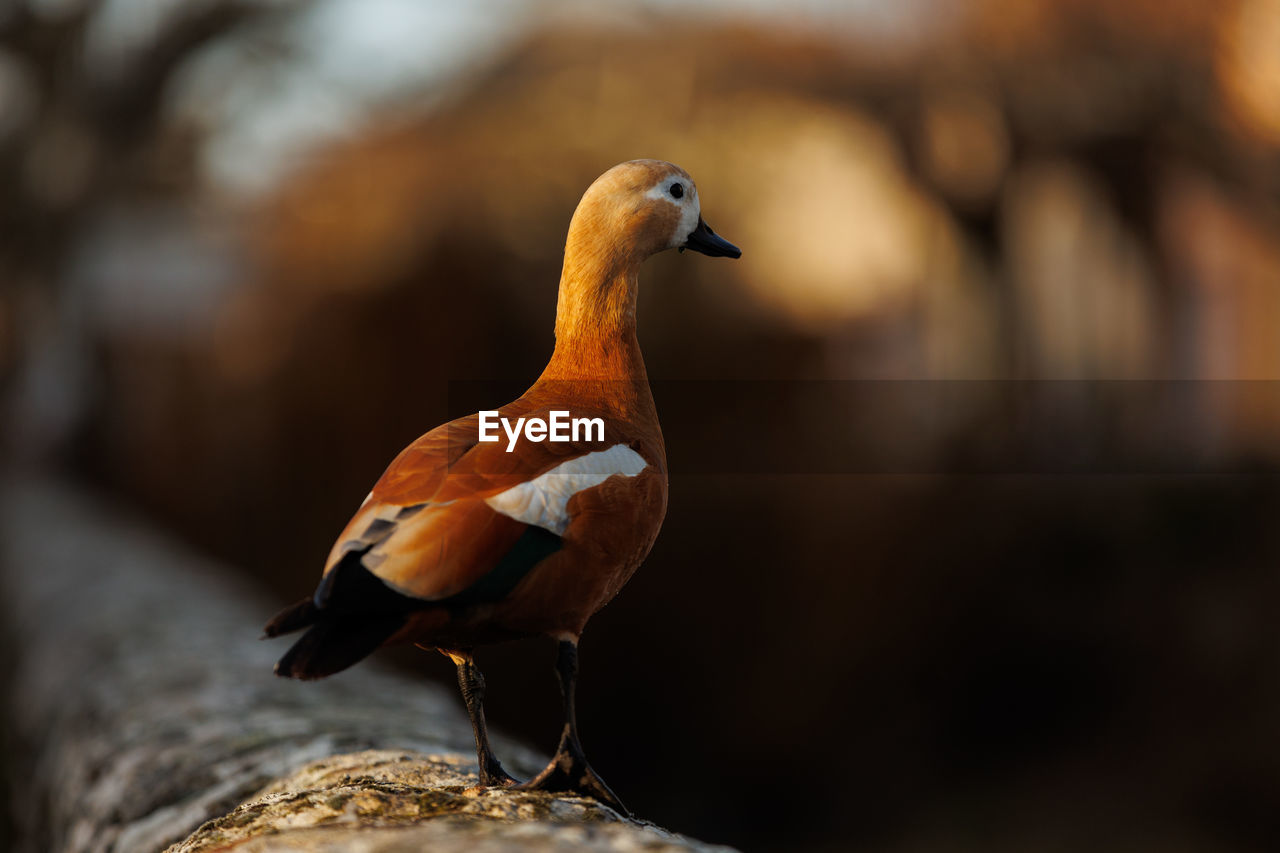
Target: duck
point(465, 541)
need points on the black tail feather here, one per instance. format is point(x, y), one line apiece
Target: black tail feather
point(357, 612)
point(295, 617)
point(335, 643)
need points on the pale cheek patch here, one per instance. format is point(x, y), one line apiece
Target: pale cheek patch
point(544, 500)
point(689, 206)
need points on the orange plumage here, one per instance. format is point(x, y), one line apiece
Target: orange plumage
point(463, 543)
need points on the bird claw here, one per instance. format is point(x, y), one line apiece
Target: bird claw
point(493, 776)
point(569, 772)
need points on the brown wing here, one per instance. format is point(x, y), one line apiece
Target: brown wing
point(426, 528)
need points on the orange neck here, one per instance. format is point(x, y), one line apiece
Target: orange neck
point(596, 346)
point(596, 315)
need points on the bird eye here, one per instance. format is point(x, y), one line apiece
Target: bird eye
point(677, 190)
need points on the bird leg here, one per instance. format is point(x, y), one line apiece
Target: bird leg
point(569, 770)
point(471, 683)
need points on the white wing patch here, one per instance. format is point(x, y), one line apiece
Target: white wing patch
point(544, 500)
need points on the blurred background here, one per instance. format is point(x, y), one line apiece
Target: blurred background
point(972, 540)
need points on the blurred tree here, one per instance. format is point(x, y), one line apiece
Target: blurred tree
point(1012, 191)
point(82, 130)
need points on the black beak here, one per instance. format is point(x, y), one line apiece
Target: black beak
point(708, 242)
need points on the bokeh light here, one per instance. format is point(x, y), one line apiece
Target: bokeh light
point(971, 541)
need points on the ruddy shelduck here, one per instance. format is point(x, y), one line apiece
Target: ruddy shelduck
point(466, 541)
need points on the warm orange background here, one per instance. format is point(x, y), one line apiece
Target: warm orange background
point(972, 539)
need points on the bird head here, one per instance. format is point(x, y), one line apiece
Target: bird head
point(643, 207)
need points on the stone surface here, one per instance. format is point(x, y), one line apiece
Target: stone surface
point(144, 714)
point(381, 800)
